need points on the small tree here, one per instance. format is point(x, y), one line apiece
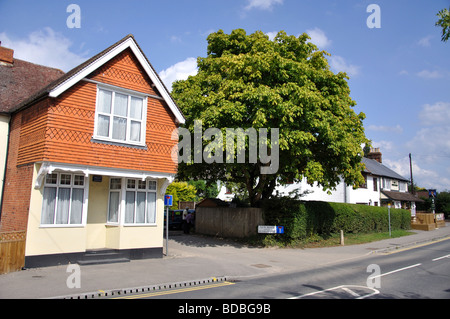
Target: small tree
point(181, 191)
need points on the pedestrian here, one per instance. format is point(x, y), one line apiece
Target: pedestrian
point(188, 223)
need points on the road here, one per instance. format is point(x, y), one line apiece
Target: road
point(419, 272)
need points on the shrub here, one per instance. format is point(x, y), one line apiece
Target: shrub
point(303, 219)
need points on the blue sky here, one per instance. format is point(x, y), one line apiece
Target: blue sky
point(399, 73)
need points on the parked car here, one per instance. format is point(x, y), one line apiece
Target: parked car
point(176, 218)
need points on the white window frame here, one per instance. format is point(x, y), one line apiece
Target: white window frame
point(136, 190)
point(59, 185)
point(130, 94)
point(122, 211)
point(386, 183)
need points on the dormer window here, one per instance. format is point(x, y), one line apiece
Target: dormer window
point(120, 116)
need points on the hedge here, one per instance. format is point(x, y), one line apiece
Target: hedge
point(303, 219)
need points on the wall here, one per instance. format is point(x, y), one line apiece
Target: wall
point(18, 181)
point(228, 222)
point(60, 130)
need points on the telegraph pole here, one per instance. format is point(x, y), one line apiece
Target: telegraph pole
point(410, 169)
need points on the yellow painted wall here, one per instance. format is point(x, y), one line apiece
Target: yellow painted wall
point(50, 240)
point(96, 234)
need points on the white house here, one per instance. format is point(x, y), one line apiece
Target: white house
point(382, 186)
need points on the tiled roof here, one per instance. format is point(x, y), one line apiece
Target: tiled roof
point(401, 196)
point(21, 80)
point(379, 169)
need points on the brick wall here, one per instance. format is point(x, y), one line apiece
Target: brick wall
point(18, 181)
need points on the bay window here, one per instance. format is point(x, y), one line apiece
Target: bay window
point(63, 199)
point(135, 198)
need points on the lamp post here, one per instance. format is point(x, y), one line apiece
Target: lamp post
point(389, 218)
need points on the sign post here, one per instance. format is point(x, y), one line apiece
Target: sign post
point(168, 201)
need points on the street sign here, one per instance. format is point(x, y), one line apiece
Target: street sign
point(264, 229)
point(168, 200)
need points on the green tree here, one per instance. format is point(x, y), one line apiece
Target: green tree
point(181, 191)
point(204, 189)
point(250, 81)
point(444, 23)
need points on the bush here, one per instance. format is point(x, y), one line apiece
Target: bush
point(302, 220)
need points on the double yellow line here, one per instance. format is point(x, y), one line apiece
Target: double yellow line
point(416, 246)
point(175, 291)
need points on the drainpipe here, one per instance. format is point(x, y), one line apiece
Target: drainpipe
point(4, 169)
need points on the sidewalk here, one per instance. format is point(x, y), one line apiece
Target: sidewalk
point(193, 259)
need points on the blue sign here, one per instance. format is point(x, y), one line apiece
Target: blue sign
point(168, 200)
point(280, 229)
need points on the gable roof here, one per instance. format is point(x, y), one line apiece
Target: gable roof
point(77, 74)
point(20, 80)
point(376, 168)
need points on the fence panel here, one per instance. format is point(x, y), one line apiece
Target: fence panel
point(12, 251)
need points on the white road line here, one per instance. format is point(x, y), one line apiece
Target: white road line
point(394, 271)
point(435, 259)
point(351, 292)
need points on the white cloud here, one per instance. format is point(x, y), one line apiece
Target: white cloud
point(319, 38)
point(45, 47)
point(381, 128)
point(179, 71)
point(426, 74)
point(435, 114)
point(262, 4)
point(272, 35)
point(339, 64)
point(425, 41)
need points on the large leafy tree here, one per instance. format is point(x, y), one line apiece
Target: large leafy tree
point(250, 81)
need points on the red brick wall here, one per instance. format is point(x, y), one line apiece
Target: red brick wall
point(18, 183)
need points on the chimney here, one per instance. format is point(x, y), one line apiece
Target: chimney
point(6, 55)
point(375, 154)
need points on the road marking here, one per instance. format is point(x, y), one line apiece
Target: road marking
point(439, 258)
point(351, 292)
point(343, 287)
point(394, 271)
point(175, 291)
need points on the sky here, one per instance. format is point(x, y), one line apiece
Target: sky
point(398, 66)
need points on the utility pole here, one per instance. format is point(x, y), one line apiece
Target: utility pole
point(410, 169)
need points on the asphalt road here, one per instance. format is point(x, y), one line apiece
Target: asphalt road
point(421, 272)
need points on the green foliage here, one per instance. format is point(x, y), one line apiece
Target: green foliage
point(181, 191)
point(444, 23)
point(443, 203)
point(204, 189)
point(309, 219)
point(250, 81)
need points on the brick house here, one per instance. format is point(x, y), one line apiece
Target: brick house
point(89, 159)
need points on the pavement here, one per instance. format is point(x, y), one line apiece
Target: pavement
point(191, 260)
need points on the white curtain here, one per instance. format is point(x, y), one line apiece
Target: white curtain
point(76, 210)
point(151, 208)
point(119, 128)
point(129, 207)
point(121, 105)
point(62, 212)
point(135, 134)
point(103, 125)
point(140, 208)
point(136, 108)
point(104, 101)
point(48, 205)
point(114, 201)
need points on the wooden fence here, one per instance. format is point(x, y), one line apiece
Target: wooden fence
point(12, 251)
